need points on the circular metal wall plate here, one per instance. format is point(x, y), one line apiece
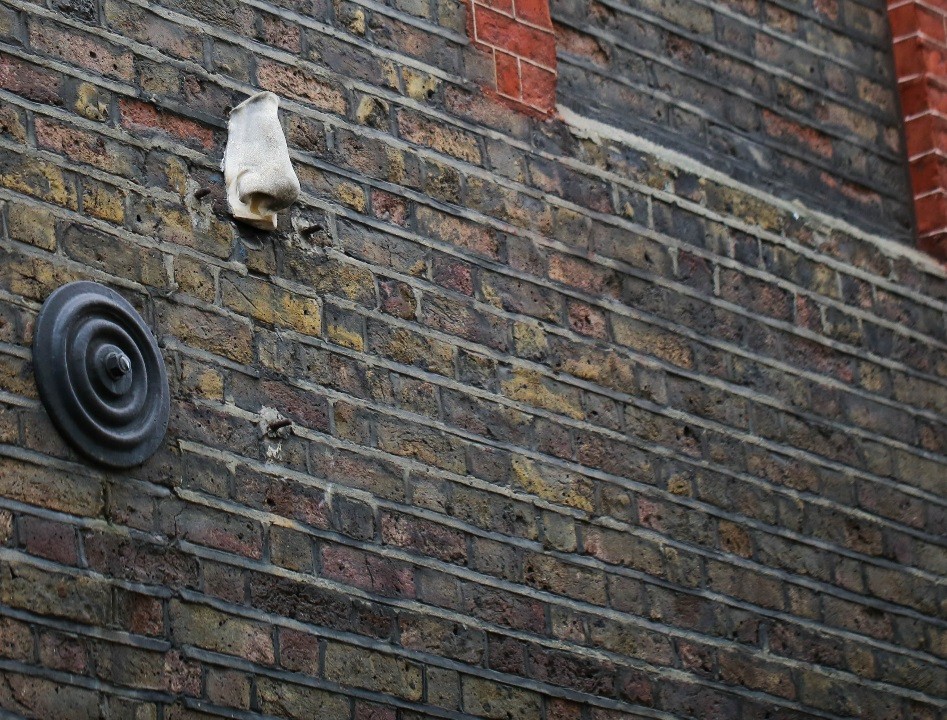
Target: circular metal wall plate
point(100, 375)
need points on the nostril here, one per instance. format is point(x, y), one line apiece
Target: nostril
point(262, 203)
point(259, 203)
point(278, 194)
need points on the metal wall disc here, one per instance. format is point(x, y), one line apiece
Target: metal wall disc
point(100, 375)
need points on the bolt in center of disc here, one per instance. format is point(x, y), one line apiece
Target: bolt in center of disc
point(117, 364)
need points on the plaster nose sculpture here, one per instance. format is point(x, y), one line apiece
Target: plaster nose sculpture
point(257, 169)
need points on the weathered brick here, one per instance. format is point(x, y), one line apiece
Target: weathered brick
point(143, 117)
point(139, 613)
point(505, 609)
point(652, 340)
point(33, 225)
point(553, 484)
point(271, 304)
point(138, 561)
point(459, 232)
point(79, 598)
point(303, 85)
point(299, 651)
point(353, 666)
point(39, 697)
point(210, 629)
point(115, 256)
point(453, 640)
point(82, 49)
point(452, 141)
point(207, 331)
point(52, 489)
point(85, 147)
point(367, 571)
point(492, 700)
point(62, 652)
point(220, 530)
point(299, 701)
point(424, 537)
point(49, 539)
point(24, 78)
point(38, 178)
point(291, 549)
point(147, 27)
point(16, 640)
point(229, 688)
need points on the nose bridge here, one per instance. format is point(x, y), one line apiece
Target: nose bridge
point(257, 168)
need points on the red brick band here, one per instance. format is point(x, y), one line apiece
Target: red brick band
point(518, 34)
point(919, 34)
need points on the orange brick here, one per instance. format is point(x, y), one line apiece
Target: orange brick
point(508, 75)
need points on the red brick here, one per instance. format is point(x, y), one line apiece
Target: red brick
point(903, 20)
point(503, 6)
point(508, 75)
point(500, 31)
point(367, 571)
point(138, 115)
point(915, 95)
point(919, 134)
point(22, 78)
point(908, 57)
point(84, 51)
point(928, 173)
point(935, 244)
point(49, 539)
point(931, 212)
point(934, 57)
point(930, 23)
point(535, 12)
point(936, 96)
point(539, 87)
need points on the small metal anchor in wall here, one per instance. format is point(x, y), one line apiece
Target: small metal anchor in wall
point(100, 375)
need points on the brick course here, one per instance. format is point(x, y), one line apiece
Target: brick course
point(579, 427)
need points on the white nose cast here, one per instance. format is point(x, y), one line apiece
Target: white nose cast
point(257, 169)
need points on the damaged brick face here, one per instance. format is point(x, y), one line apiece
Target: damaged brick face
point(552, 410)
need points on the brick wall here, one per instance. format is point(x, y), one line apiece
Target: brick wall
point(580, 428)
point(797, 97)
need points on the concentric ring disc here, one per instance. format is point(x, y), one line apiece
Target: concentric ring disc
point(100, 375)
